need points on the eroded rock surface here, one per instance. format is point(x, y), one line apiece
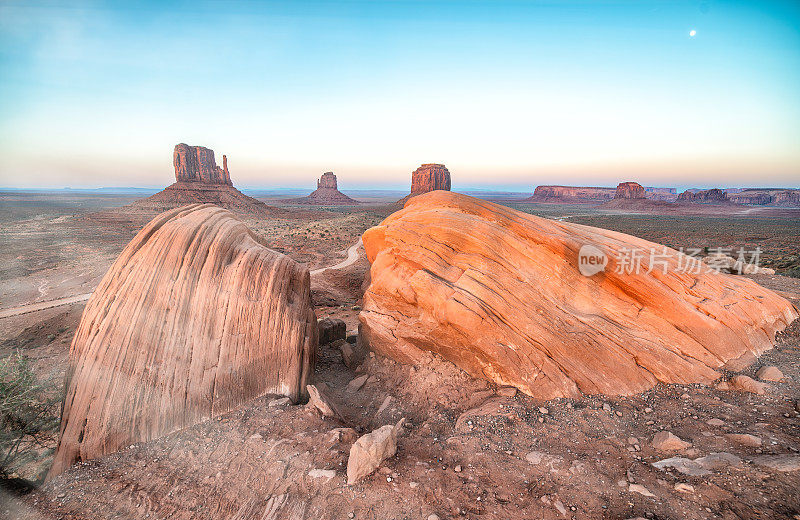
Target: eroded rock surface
point(714, 195)
point(499, 293)
point(194, 317)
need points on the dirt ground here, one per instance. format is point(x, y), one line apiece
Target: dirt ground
point(470, 450)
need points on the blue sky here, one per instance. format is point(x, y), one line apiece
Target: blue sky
point(506, 94)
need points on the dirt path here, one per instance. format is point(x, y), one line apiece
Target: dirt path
point(32, 307)
point(352, 256)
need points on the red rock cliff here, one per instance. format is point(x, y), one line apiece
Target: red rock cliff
point(629, 190)
point(571, 194)
point(197, 164)
point(430, 177)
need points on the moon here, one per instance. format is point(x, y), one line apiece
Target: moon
point(692, 33)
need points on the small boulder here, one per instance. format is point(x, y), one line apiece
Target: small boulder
point(786, 462)
point(667, 441)
point(327, 474)
point(319, 399)
point(769, 374)
point(745, 439)
point(371, 449)
point(638, 488)
point(356, 384)
point(743, 384)
point(330, 330)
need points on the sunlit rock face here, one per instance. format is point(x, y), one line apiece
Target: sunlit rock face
point(194, 318)
point(502, 294)
point(197, 164)
point(629, 190)
point(428, 177)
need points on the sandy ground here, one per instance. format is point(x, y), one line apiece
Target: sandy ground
point(470, 451)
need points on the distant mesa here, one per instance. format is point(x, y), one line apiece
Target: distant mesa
point(662, 194)
point(629, 190)
point(326, 194)
point(712, 196)
point(571, 194)
point(591, 195)
point(196, 316)
point(198, 180)
point(502, 294)
point(767, 197)
point(428, 177)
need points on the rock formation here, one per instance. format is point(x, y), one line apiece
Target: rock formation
point(327, 193)
point(711, 196)
point(428, 177)
point(571, 194)
point(662, 194)
point(629, 190)
point(589, 195)
point(198, 180)
point(195, 317)
point(197, 164)
point(767, 197)
point(500, 293)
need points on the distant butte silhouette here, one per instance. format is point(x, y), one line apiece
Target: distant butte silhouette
point(326, 194)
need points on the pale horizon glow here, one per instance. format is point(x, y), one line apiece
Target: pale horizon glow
point(506, 94)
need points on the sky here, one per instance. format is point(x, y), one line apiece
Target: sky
point(507, 94)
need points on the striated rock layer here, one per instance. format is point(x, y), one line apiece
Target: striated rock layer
point(499, 293)
point(195, 317)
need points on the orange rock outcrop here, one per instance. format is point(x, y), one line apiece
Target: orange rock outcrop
point(500, 294)
point(195, 317)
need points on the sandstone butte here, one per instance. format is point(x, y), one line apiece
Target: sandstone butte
point(327, 193)
point(499, 293)
point(629, 190)
point(428, 177)
point(195, 317)
point(198, 180)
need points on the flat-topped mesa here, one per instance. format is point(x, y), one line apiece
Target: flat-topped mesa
point(629, 190)
point(430, 177)
point(577, 194)
point(197, 164)
point(196, 316)
point(553, 308)
point(714, 195)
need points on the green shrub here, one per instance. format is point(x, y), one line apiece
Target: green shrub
point(29, 417)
